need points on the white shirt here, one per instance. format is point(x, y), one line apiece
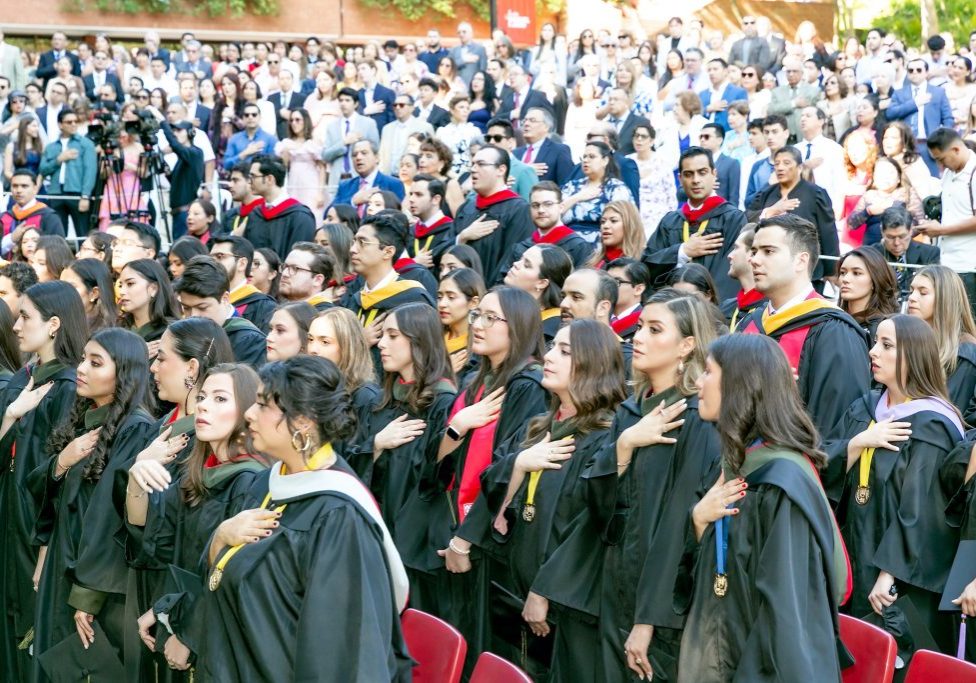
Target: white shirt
point(831, 173)
point(958, 251)
point(387, 279)
point(52, 120)
point(63, 172)
point(918, 91)
point(798, 299)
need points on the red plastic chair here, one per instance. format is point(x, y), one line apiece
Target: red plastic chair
point(491, 668)
point(932, 667)
point(438, 647)
point(873, 648)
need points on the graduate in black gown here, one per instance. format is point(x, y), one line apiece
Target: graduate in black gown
point(459, 292)
point(11, 360)
point(541, 271)
point(497, 402)
point(337, 335)
point(545, 203)
point(961, 513)
point(658, 461)
point(538, 507)
point(884, 473)
point(433, 233)
point(938, 296)
point(51, 326)
point(868, 289)
point(146, 300)
point(174, 516)
point(288, 330)
point(306, 584)
point(764, 568)
point(83, 580)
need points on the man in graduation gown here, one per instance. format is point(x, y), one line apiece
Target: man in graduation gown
point(792, 194)
point(826, 348)
point(281, 220)
point(544, 202)
point(703, 230)
point(236, 254)
point(26, 212)
point(373, 252)
point(306, 273)
point(493, 219)
point(204, 290)
point(234, 220)
point(748, 297)
point(434, 232)
point(633, 279)
point(591, 294)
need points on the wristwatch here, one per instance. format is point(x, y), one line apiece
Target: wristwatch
point(453, 433)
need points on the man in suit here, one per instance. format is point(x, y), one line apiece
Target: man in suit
point(426, 110)
point(11, 65)
point(194, 62)
point(195, 112)
point(750, 48)
point(100, 76)
point(776, 45)
point(343, 133)
point(47, 63)
point(355, 191)
point(497, 71)
point(523, 97)
point(551, 160)
point(285, 101)
point(674, 40)
point(151, 41)
point(56, 97)
point(790, 99)
point(721, 93)
point(623, 120)
point(470, 57)
point(393, 139)
point(375, 99)
point(922, 106)
point(898, 247)
point(822, 156)
point(727, 169)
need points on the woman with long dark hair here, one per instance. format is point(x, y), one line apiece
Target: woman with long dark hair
point(265, 270)
point(227, 115)
point(459, 292)
point(585, 199)
point(288, 330)
point(51, 327)
point(181, 251)
point(11, 359)
point(541, 272)
point(51, 256)
point(83, 578)
point(146, 300)
point(175, 522)
point(765, 570)
point(868, 288)
point(92, 279)
point(884, 476)
point(312, 524)
point(535, 492)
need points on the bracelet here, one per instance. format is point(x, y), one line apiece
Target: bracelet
point(621, 465)
point(457, 550)
point(136, 496)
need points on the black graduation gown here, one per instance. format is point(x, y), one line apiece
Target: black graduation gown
point(254, 306)
point(495, 250)
point(641, 519)
point(816, 207)
point(551, 322)
point(22, 449)
point(408, 269)
point(902, 529)
point(567, 239)
point(740, 306)
point(778, 619)
point(151, 332)
point(962, 382)
point(246, 341)
point(280, 227)
point(437, 239)
point(176, 535)
point(661, 252)
point(833, 364)
point(549, 556)
point(463, 598)
point(364, 399)
point(961, 514)
point(85, 566)
point(312, 602)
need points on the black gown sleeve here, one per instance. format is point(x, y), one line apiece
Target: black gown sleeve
point(835, 373)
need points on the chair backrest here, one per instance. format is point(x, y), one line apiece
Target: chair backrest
point(438, 647)
point(873, 649)
point(491, 668)
point(929, 667)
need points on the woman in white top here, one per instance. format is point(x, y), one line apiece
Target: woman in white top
point(458, 134)
point(552, 50)
point(960, 90)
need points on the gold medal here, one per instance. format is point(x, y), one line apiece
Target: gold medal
point(862, 495)
point(215, 576)
point(528, 512)
point(721, 585)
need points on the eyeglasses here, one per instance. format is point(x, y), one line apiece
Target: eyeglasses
point(362, 243)
point(221, 256)
point(487, 319)
point(274, 62)
point(142, 97)
point(253, 176)
point(400, 105)
point(916, 70)
point(621, 281)
point(535, 206)
point(641, 136)
point(750, 74)
point(290, 269)
point(127, 243)
point(251, 114)
point(496, 138)
point(704, 136)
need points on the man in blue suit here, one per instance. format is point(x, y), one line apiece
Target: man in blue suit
point(726, 168)
point(922, 106)
point(355, 191)
point(716, 100)
point(551, 160)
point(375, 100)
point(47, 63)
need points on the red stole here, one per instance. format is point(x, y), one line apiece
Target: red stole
point(622, 324)
point(482, 203)
point(480, 446)
point(555, 235)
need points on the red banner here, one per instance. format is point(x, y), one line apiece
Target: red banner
point(517, 19)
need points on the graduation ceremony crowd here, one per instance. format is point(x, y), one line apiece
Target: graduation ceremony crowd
point(629, 358)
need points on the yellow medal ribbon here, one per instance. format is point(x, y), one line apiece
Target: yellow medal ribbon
point(685, 230)
point(863, 492)
point(455, 344)
point(528, 510)
point(417, 248)
point(319, 458)
point(550, 313)
point(735, 318)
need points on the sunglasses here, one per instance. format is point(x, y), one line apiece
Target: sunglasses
point(251, 114)
point(496, 138)
point(916, 70)
point(750, 74)
point(399, 105)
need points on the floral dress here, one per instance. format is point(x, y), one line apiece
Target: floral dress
point(657, 191)
point(584, 217)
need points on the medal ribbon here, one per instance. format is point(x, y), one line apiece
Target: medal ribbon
point(721, 543)
point(864, 472)
point(533, 485)
point(685, 230)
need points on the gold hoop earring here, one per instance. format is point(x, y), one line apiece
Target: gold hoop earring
point(301, 447)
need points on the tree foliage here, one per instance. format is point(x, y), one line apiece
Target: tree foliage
point(213, 8)
point(415, 9)
point(904, 18)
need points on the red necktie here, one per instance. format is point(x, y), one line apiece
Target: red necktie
point(527, 159)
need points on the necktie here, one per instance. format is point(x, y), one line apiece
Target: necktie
point(361, 209)
point(691, 82)
point(346, 161)
point(527, 159)
point(807, 155)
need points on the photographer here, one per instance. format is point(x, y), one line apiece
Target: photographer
point(187, 173)
point(122, 169)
